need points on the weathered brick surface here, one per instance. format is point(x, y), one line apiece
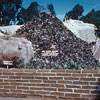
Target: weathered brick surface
point(50, 84)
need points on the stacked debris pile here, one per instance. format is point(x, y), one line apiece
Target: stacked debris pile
point(54, 44)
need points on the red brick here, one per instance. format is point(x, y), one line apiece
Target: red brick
point(44, 70)
point(48, 74)
point(15, 80)
point(89, 71)
point(72, 95)
point(99, 79)
point(24, 88)
point(58, 71)
point(81, 91)
point(28, 74)
point(16, 91)
point(94, 83)
point(30, 70)
point(80, 83)
point(88, 79)
point(4, 84)
point(65, 82)
point(63, 74)
point(3, 77)
point(4, 70)
point(36, 88)
point(42, 78)
point(10, 87)
point(50, 89)
point(4, 90)
point(1, 87)
point(64, 90)
point(10, 95)
point(72, 86)
point(89, 87)
point(73, 71)
point(29, 84)
point(36, 81)
point(71, 78)
point(97, 75)
point(0, 73)
point(21, 95)
point(8, 74)
point(55, 78)
point(14, 77)
point(43, 85)
point(49, 82)
point(28, 77)
point(1, 80)
point(79, 75)
point(90, 96)
point(29, 91)
point(16, 84)
point(57, 85)
point(42, 92)
point(95, 91)
point(57, 94)
point(17, 70)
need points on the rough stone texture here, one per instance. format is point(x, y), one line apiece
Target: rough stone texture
point(46, 33)
point(12, 47)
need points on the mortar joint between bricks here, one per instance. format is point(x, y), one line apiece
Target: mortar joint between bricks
point(96, 79)
point(81, 87)
point(64, 94)
point(57, 89)
point(92, 75)
point(71, 75)
point(81, 71)
point(36, 71)
point(80, 95)
point(63, 78)
point(14, 74)
point(57, 82)
point(89, 84)
point(65, 86)
point(73, 90)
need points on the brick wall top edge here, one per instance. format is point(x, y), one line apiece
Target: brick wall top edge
point(48, 70)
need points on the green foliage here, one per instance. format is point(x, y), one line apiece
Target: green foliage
point(93, 17)
point(51, 9)
point(71, 65)
point(98, 66)
point(9, 9)
point(26, 15)
point(18, 62)
point(29, 66)
point(76, 12)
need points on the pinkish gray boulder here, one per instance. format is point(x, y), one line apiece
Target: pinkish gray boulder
point(15, 47)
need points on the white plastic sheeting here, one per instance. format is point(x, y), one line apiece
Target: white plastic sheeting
point(84, 31)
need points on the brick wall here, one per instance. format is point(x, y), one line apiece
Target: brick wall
point(52, 84)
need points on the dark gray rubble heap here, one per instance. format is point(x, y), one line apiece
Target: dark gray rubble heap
point(46, 32)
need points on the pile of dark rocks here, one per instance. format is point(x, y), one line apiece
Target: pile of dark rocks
point(47, 32)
